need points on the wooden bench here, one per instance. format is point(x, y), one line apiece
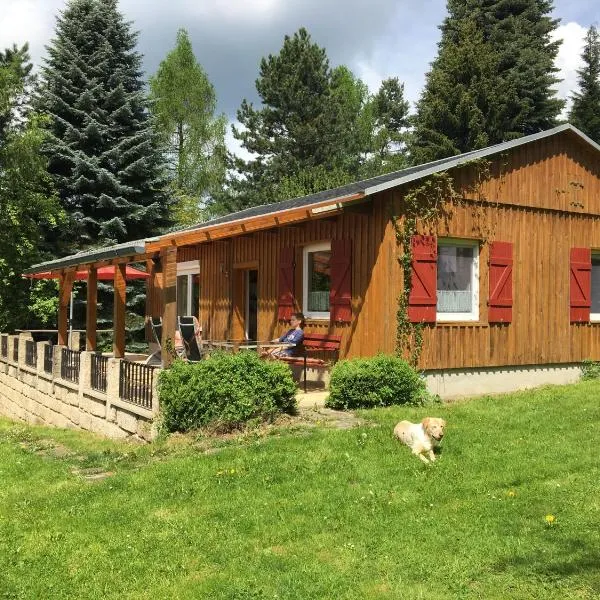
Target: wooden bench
point(314, 343)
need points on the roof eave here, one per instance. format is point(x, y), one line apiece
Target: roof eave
point(75, 260)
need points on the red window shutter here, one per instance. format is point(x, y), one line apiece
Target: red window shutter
point(286, 284)
point(581, 284)
point(340, 295)
point(501, 266)
point(422, 300)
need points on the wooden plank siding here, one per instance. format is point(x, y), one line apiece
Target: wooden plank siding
point(544, 197)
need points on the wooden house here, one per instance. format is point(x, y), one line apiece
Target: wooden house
point(505, 266)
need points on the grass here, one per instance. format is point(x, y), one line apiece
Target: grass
point(313, 512)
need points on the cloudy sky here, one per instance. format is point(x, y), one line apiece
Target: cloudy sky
point(376, 38)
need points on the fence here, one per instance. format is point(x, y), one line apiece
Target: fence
point(4, 346)
point(98, 372)
point(135, 383)
point(30, 353)
point(16, 350)
point(48, 358)
point(69, 365)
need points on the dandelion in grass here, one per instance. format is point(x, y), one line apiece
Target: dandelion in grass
point(511, 493)
point(550, 520)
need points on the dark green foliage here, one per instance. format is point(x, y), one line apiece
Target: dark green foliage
point(389, 121)
point(370, 382)
point(225, 390)
point(15, 86)
point(585, 112)
point(28, 205)
point(103, 154)
point(492, 80)
point(317, 128)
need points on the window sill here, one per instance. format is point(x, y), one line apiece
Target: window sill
point(461, 324)
point(316, 320)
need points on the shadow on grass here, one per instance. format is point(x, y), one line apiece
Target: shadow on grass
point(559, 559)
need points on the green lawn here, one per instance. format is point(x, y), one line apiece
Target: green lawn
point(312, 513)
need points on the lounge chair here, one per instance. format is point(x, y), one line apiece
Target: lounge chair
point(191, 333)
point(156, 326)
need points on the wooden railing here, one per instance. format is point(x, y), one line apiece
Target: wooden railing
point(48, 358)
point(135, 383)
point(69, 365)
point(98, 372)
point(4, 346)
point(16, 350)
point(30, 353)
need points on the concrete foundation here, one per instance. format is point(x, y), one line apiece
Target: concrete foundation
point(456, 383)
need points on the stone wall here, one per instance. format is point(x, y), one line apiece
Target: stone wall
point(30, 394)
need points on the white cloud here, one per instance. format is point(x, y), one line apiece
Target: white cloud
point(569, 57)
point(27, 21)
point(234, 145)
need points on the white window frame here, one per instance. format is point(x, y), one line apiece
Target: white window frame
point(305, 252)
point(189, 268)
point(594, 317)
point(474, 314)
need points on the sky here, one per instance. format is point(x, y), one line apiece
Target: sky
point(376, 39)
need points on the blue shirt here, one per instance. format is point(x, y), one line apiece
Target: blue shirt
point(292, 336)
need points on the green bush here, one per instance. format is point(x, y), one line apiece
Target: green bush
point(590, 369)
point(225, 390)
point(379, 381)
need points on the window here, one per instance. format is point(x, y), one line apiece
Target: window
point(457, 280)
point(188, 288)
point(316, 280)
point(595, 308)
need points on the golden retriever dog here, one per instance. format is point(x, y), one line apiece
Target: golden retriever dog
point(421, 437)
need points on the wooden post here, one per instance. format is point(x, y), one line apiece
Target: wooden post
point(119, 312)
point(151, 293)
point(91, 310)
point(168, 258)
point(64, 295)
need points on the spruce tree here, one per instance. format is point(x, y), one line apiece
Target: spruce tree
point(103, 154)
point(585, 112)
point(502, 86)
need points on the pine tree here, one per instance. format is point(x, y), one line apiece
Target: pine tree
point(192, 138)
point(585, 112)
point(492, 80)
point(309, 134)
point(103, 154)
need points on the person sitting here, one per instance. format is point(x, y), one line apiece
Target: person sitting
point(294, 335)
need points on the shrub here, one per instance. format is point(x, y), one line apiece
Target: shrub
point(225, 390)
point(590, 369)
point(379, 381)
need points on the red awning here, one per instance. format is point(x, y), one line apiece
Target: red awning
point(104, 273)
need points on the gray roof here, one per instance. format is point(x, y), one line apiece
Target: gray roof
point(367, 187)
point(90, 256)
point(387, 181)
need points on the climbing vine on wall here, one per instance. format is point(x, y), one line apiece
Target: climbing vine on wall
point(429, 204)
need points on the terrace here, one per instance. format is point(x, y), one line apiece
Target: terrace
point(55, 385)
